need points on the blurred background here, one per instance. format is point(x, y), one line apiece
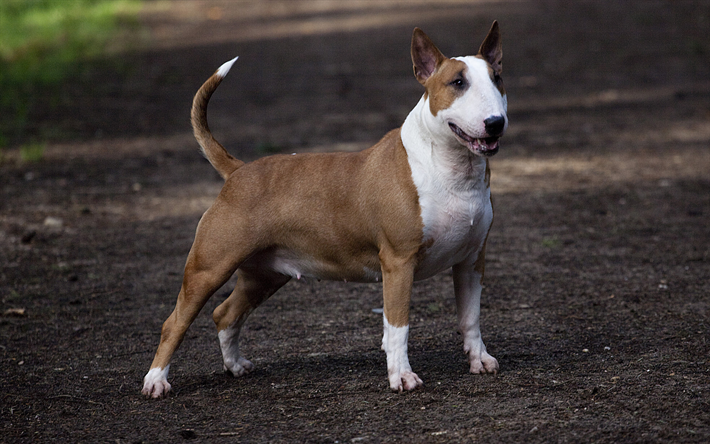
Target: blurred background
point(337, 73)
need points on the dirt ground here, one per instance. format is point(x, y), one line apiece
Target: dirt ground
point(598, 277)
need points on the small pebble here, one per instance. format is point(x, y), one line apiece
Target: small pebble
point(53, 222)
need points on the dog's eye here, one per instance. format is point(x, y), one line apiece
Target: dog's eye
point(458, 83)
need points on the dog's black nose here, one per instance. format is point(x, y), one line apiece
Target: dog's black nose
point(494, 125)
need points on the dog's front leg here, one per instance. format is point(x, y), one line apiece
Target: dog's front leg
point(397, 279)
point(467, 287)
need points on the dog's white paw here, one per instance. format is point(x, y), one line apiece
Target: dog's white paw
point(155, 383)
point(239, 367)
point(405, 380)
point(399, 372)
point(484, 363)
point(481, 362)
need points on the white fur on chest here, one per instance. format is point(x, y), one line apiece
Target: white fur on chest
point(455, 225)
point(454, 198)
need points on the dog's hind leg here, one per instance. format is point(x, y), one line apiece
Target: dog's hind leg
point(253, 288)
point(209, 265)
point(197, 287)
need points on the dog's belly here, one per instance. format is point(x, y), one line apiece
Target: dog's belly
point(299, 264)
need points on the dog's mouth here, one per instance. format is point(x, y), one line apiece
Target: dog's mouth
point(487, 146)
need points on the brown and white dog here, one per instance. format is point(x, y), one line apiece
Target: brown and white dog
point(416, 203)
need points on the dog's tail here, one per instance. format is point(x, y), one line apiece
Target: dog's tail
point(220, 159)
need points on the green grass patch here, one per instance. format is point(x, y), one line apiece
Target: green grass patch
point(32, 152)
point(42, 44)
point(551, 242)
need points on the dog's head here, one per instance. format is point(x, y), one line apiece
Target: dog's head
point(465, 94)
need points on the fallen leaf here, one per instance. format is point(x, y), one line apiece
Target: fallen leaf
point(14, 312)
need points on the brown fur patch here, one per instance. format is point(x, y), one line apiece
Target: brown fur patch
point(439, 87)
point(320, 207)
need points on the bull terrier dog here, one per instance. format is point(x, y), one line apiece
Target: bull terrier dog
point(416, 203)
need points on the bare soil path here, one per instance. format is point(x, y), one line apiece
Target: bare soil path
point(597, 290)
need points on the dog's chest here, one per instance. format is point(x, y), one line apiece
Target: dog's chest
point(456, 217)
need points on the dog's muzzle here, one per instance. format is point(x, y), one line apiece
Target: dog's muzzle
point(487, 146)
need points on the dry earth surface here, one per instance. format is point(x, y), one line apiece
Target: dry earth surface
point(597, 287)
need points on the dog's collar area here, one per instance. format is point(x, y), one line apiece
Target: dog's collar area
point(487, 146)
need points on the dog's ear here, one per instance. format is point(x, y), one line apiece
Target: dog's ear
point(492, 49)
point(426, 57)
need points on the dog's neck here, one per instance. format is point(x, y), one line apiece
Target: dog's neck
point(432, 147)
